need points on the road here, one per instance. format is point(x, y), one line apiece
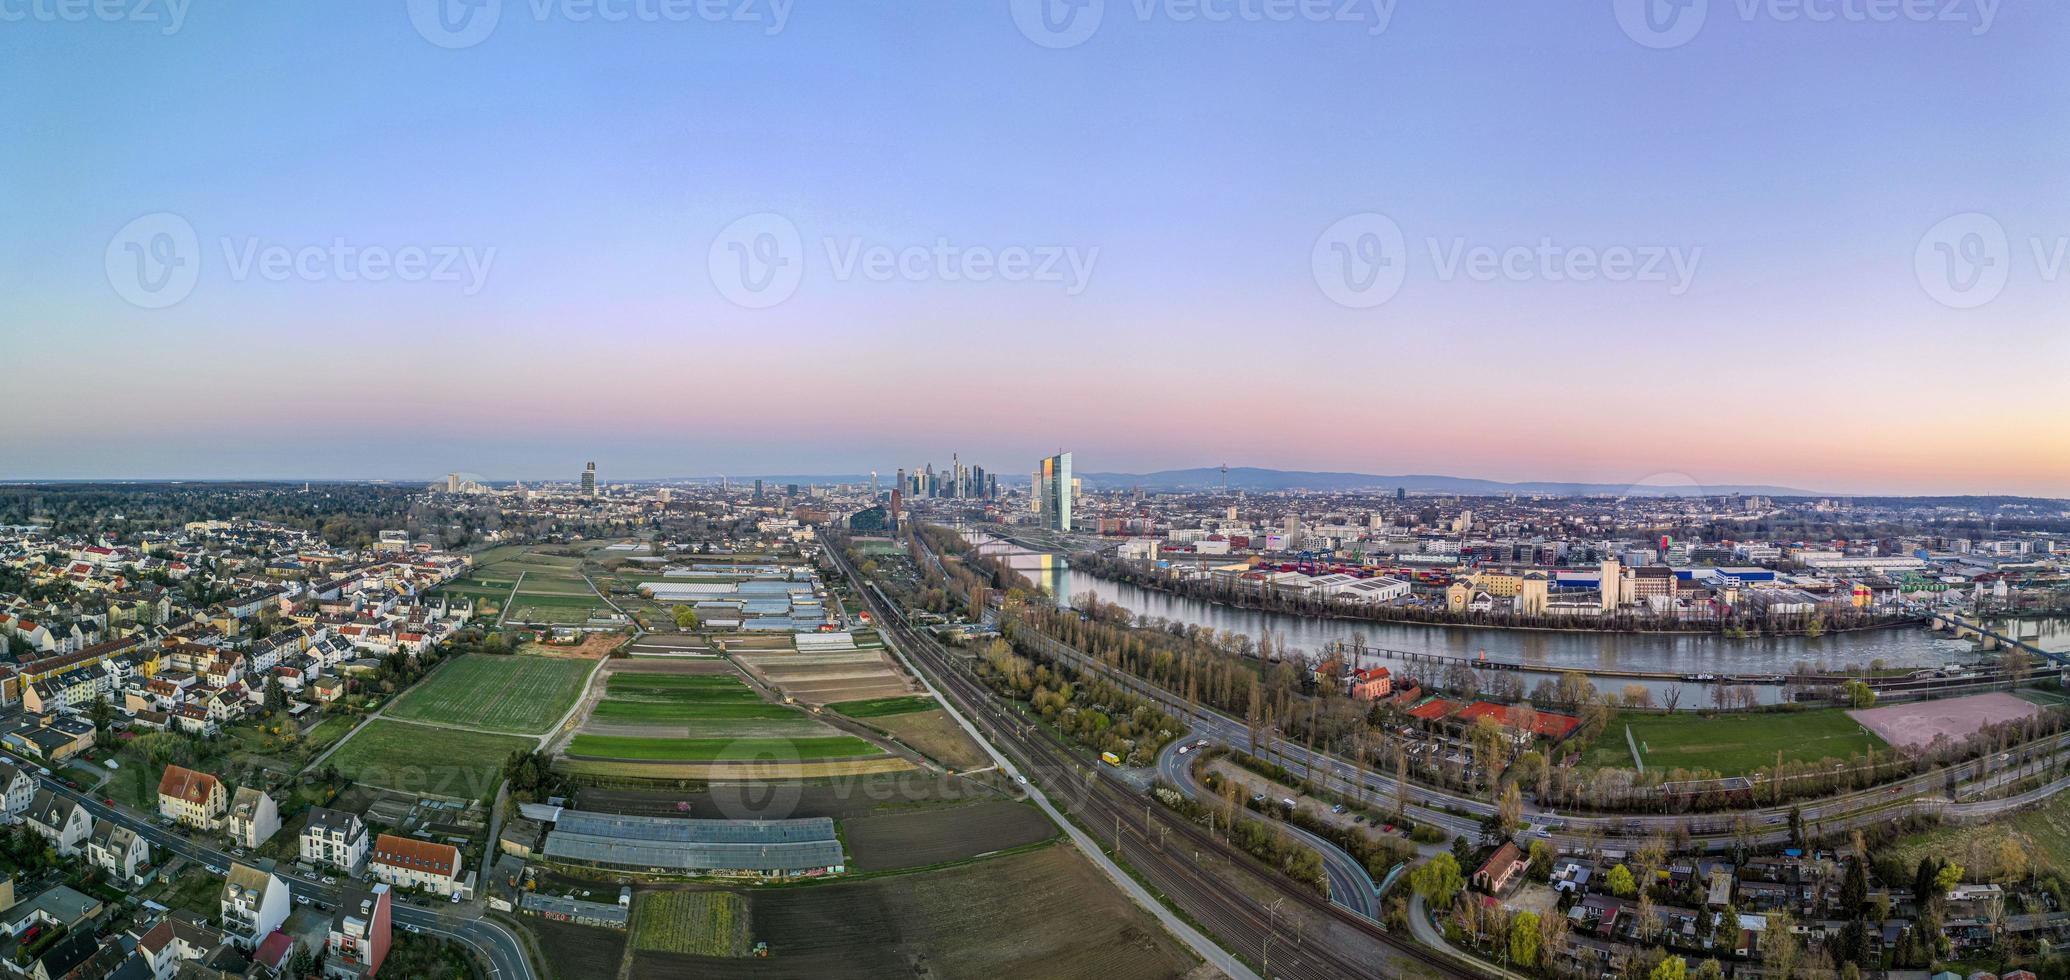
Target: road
point(1167, 853)
point(1351, 886)
point(498, 948)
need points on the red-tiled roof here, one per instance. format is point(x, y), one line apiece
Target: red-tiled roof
point(416, 855)
point(186, 784)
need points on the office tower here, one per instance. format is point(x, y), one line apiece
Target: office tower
point(1401, 493)
point(758, 490)
point(873, 484)
point(589, 480)
point(452, 483)
point(1055, 491)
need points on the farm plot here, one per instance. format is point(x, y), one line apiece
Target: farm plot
point(556, 609)
point(886, 707)
point(918, 838)
point(822, 678)
point(1045, 913)
point(420, 759)
point(716, 749)
point(936, 735)
point(515, 694)
point(577, 951)
point(698, 923)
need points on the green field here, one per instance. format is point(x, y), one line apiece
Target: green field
point(517, 694)
point(418, 759)
point(885, 707)
point(615, 710)
point(709, 923)
point(670, 689)
point(1733, 744)
point(714, 749)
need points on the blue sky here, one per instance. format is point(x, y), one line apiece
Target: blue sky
point(1190, 166)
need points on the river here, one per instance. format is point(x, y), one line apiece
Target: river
point(1545, 650)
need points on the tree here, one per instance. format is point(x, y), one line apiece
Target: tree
point(1509, 812)
point(1859, 694)
point(1780, 951)
point(1854, 889)
point(1524, 939)
point(1438, 880)
point(275, 699)
point(1620, 882)
point(686, 618)
point(1672, 968)
point(102, 712)
point(1947, 878)
point(1710, 970)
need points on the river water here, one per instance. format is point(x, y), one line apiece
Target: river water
point(1544, 650)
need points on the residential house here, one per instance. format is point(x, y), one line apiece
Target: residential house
point(1502, 868)
point(359, 935)
point(62, 822)
point(120, 851)
point(254, 904)
point(17, 788)
point(253, 817)
point(334, 837)
point(410, 863)
point(192, 798)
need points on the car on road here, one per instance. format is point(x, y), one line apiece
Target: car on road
point(1772, 821)
point(328, 880)
point(1542, 833)
point(108, 801)
point(1183, 749)
point(1339, 808)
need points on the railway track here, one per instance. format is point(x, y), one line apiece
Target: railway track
point(1165, 850)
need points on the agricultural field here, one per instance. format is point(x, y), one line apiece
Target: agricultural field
point(575, 950)
point(420, 759)
point(697, 923)
point(829, 677)
point(1042, 913)
point(918, 838)
point(715, 749)
point(519, 694)
point(1732, 744)
point(885, 707)
point(936, 735)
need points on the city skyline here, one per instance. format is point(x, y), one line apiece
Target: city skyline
point(1173, 280)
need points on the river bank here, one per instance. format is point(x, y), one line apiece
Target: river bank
point(1123, 571)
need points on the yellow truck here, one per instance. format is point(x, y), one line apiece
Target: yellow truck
point(1110, 758)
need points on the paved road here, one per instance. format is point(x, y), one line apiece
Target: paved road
point(493, 942)
point(1350, 884)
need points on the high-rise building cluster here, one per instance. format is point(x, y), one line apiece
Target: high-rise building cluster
point(958, 482)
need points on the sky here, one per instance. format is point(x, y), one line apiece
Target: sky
point(1813, 243)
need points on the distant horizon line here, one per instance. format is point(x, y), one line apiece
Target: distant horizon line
point(1497, 488)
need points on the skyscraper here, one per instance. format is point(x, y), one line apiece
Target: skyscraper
point(1054, 491)
point(589, 480)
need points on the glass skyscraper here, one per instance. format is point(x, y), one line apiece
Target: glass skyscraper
point(1056, 492)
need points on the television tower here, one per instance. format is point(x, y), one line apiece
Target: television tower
point(1225, 477)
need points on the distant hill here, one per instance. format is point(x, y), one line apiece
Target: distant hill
point(1256, 478)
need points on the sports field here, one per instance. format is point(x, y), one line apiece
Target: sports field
point(419, 759)
point(712, 749)
point(517, 694)
point(1733, 744)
